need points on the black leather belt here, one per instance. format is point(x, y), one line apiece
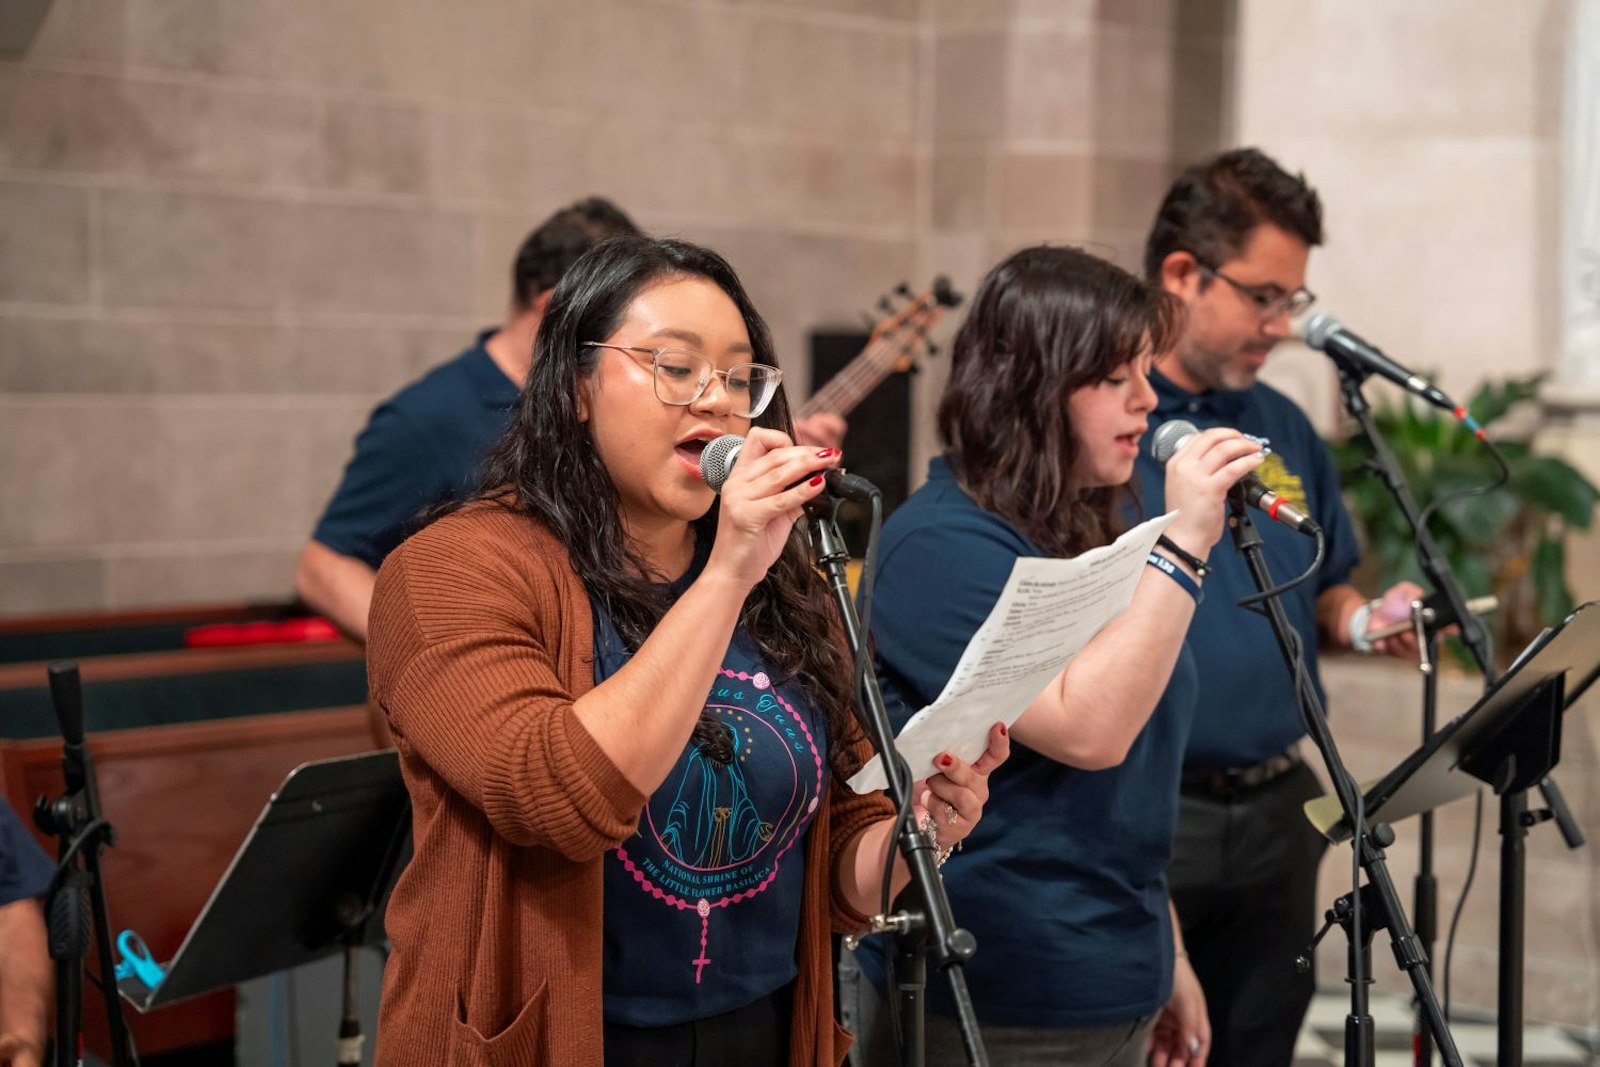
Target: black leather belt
point(1237, 780)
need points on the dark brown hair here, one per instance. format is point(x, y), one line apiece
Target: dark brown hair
point(1045, 323)
point(1212, 207)
point(559, 240)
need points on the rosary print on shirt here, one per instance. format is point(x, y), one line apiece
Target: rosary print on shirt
point(703, 842)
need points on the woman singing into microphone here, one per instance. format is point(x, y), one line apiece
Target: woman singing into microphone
point(1064, 884)
point(623, 713)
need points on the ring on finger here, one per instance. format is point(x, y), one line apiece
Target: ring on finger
point(950, 813)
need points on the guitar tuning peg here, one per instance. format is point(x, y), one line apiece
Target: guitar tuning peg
point(933, 348)
point(914, 368)
point(903, 289)
point(886, 305)
point(869, 320)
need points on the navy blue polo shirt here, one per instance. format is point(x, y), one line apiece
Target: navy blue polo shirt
point(421, 447)
point(702, 902)
point(1063, 882)
point(25, 871)
point(1247, 710)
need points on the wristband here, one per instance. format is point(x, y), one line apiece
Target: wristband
point(1358, 626)
point(1200, 567)
point(1170, 569)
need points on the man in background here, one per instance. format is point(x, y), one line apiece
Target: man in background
point(27, 977)
point(1232, 240)
point(423, 445)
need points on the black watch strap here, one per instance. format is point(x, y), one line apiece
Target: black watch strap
point(1200, 567)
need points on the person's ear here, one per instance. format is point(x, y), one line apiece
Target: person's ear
point(1181, 275)
point(583, 397)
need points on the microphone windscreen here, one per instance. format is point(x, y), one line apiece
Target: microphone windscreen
point(716, 462)
point(1168, 436)
point(1318, 328)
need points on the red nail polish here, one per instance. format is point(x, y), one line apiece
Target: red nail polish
point(1002, 729)
point(818, 480)
point(946, 761)
point(827, 453)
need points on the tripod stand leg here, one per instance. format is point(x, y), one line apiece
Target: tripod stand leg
point(1360, 1033)
point(1513, 859)
point(350, 1037)
point(121, 1046)
point(910, 1000)
point(1425, 911)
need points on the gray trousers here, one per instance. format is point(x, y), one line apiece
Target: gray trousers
point(865, 1013)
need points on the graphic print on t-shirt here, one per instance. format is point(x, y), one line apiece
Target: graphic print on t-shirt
point(716, 835)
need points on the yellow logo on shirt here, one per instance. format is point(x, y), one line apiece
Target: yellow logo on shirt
point(1281, 480)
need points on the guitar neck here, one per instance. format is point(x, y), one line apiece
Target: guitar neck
point(850, 386)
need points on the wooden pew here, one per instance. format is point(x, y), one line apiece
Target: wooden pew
point(187, 745)
point(80, 636)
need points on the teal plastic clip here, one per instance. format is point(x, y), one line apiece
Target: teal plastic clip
point(136, 961)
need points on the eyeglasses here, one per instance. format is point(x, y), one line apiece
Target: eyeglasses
point(1270, 300)
point(681, 378)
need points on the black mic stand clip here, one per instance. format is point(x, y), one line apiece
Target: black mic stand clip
point(921, 925)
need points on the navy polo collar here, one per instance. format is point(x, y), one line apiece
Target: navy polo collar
point(497, 391)
point(1224, 405)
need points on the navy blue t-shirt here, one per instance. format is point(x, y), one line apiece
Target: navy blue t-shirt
point(1247, 708)
point(702, 903)
point(25, 871)
point(421, 447)
point(1063, 882)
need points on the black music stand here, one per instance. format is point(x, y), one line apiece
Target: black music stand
point(311, 879)
point(1509, 740)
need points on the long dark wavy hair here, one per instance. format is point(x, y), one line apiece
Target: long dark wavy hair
point(1046, 322)
point(546, 467)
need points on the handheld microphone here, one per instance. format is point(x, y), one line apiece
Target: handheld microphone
point(1171, 435)
point(1327, 334)
point(720, 454)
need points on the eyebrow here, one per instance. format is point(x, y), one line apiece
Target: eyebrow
point(689, 337)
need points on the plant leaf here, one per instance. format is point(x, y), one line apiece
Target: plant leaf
point(1555, 486)
point(1493, 400)
point(1549, 573)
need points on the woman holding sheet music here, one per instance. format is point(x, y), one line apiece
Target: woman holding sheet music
point(1064, 883)
point(623, 712)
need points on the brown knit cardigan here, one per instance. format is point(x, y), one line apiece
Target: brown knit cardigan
point(480, 642)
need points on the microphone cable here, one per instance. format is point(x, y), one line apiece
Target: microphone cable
point(1254, 601)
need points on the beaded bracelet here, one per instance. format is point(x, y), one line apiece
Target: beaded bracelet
point(1200, 567)
point(931, 829)
point(1171, 570)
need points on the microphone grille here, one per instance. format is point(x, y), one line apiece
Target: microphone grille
point(1319, 328)
point(1168, 436)
point(716, 462)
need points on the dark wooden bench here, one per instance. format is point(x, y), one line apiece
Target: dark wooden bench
point(188, 745)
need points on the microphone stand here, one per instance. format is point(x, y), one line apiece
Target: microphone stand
point(76, 904)
point(922, 927)
point(1379, 905)
point(1448, 605)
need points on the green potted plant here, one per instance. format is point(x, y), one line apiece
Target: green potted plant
point(1510, 542)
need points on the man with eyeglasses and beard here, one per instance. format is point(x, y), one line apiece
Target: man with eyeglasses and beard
point(1231, 240)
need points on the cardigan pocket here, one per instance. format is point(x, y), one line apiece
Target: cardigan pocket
point(842, 1040)
point(518, 1045)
